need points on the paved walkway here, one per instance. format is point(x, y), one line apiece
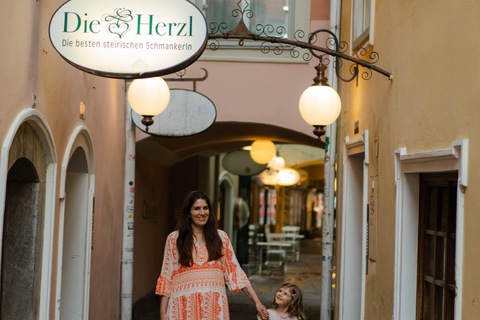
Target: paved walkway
point(306, 274)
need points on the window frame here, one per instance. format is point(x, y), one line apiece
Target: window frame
point(439, 278)
point(365, 38)
point(229, 50)
point(408, 166)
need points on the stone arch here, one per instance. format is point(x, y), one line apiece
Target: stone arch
point(227, 180)
point(77, 184)
point(29, 144)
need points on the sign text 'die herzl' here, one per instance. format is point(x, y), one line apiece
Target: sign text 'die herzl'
point(129, 39)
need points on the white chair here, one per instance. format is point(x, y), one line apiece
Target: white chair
point(292, 235)
point(276, 255)
point(291, 229)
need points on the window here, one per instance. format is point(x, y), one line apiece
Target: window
point(436, 246)
point(292, 15)
point(362, 23)
point(266, 12)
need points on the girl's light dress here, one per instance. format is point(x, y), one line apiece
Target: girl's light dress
point(198, 292)
point(273, 315)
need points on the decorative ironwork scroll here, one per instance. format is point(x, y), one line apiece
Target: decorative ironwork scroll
point(273, 39)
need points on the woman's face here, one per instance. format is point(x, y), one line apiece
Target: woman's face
point(283, 297)
point(199, 213)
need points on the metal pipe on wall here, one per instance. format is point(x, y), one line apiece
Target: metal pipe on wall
point(329, 186)
point(128, 219)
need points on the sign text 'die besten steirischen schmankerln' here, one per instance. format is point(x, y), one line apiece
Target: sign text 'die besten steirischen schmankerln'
point(129, 39)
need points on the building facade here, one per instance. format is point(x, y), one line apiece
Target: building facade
point(68, 192)
point(407, 236)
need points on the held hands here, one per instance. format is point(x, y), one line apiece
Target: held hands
point(262, 311)
point(163, 316)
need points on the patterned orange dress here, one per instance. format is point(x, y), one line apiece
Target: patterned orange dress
point(198, 292)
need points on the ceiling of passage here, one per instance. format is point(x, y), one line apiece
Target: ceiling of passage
point(223, 137)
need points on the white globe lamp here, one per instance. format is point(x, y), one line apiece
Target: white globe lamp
point(263, 150)
point(276, 163)
point(148, 97)
point(320, 104)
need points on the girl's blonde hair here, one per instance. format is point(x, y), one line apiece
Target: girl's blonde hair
point(295, 309)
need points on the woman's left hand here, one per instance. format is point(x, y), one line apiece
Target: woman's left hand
point(262, 311)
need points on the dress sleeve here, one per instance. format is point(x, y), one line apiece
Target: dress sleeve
point(164, 282)
point(234, 275)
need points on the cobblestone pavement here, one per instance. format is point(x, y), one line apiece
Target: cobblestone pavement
point(306, 274)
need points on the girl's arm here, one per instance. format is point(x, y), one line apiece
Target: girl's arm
point(262, 311)
point(163, 307)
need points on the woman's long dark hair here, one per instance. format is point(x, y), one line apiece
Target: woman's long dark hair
point(185, 232)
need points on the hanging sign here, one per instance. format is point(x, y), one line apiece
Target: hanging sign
point(188, 113)
point(129, 39)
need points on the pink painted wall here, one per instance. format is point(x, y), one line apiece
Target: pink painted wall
point(30, 65)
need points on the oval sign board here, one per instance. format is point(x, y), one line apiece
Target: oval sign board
point(188, 113)
point(129, 39)
point(241, 163)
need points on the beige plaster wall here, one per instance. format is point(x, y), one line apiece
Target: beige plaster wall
point(30, 65)
point(431, 49)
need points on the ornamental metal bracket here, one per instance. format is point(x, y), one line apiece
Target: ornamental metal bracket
point(181, 76)
point(274, 40)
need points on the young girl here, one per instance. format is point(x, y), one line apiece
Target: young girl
point(287, 304)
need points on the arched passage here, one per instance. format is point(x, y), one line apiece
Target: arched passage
point(75, 237)
point(21, 246)
point(27, 148)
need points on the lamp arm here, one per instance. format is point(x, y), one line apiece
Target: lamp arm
point(313, 48)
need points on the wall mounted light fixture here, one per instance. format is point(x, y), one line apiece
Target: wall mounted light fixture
point(319, 104)
point(148, 97)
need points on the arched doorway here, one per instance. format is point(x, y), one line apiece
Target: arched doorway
point(75, 231)
point(27, 193)
point(21, 246)
point(74, 302)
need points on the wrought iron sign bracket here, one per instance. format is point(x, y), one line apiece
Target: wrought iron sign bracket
point(180, 76)
point(268, 35)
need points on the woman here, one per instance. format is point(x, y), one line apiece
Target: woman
point(198, 259)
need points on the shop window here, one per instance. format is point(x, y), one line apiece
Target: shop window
point(284, 16)
point(363, 13)
point(436, 246)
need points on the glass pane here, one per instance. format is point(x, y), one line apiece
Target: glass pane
point(429, 306)
point(450, 304)
point(265, 12)
point(429, 255)
point(361, 19)
point(450, 272)
point(270, 12)
point(438, 302)
point(443, 209)
point(221, 11)
point(440, 258)
point(452, 216)
point(431, 222)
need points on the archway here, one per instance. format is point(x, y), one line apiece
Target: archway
point(75, 236)
point(27, 173)
point(21, 242)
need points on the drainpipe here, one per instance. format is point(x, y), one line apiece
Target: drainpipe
point(129, 198)
point(329, 188)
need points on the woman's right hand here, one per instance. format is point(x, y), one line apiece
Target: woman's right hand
point(262, 311)
point(163, 307)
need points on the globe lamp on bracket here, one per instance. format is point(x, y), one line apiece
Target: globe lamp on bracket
point(277, 163)
point(148, 97)
point(262, 151)
point(320, 104)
